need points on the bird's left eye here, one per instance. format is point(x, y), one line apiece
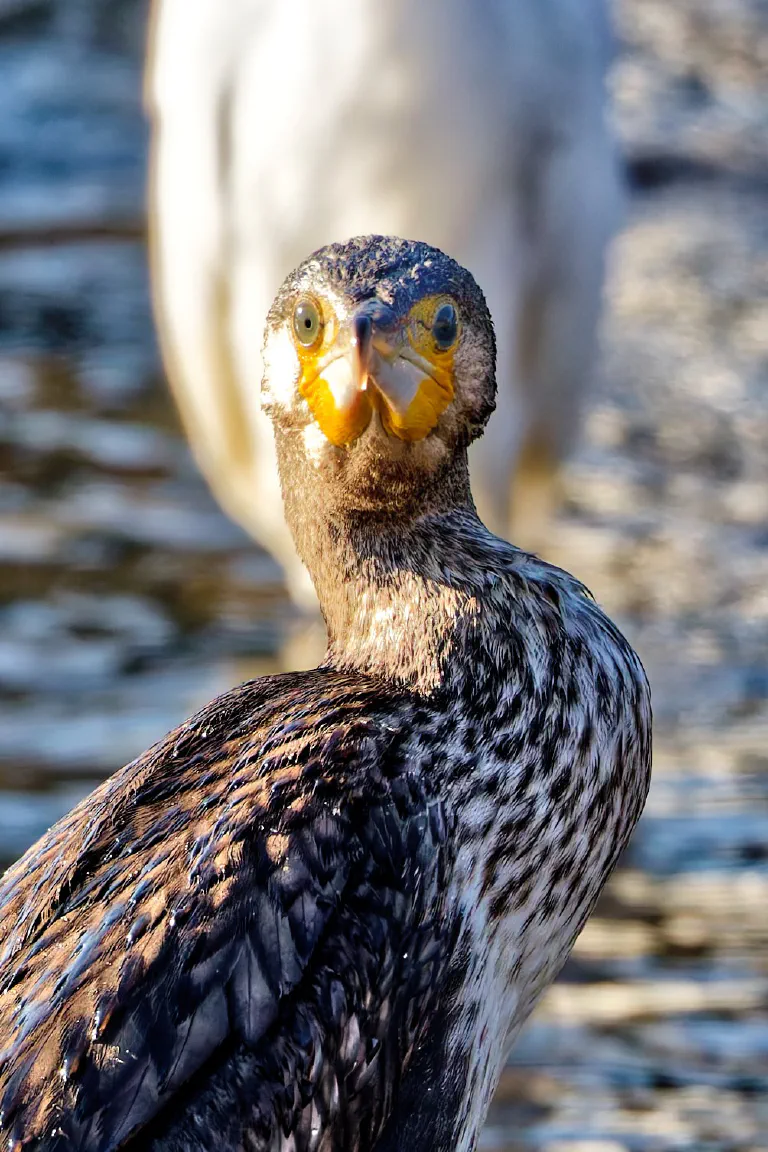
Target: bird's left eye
point(445, 326)
point(307, 323)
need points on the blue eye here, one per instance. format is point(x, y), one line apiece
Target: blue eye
point(445, 326)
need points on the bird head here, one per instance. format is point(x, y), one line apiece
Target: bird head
point(380, 359)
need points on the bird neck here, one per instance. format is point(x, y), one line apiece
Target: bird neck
point(394, 586)
point(392, 610)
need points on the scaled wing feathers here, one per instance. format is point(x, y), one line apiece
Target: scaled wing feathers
point(258, 896)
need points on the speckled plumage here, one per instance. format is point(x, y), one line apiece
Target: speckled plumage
point(315, 915)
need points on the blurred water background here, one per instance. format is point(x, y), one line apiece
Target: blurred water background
point(127, 599)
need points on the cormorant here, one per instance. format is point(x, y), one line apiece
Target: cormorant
point(477, 125)
point(315, 915)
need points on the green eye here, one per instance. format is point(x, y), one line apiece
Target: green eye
point(445, 326)
point(307, 323)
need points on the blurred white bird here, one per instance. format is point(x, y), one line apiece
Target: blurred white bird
point(478, 126)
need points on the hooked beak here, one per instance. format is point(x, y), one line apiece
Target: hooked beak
point(373, 367)
point(361, 349)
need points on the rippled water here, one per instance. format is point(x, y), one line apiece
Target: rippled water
point(127, 599)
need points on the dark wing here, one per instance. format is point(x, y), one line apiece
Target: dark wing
point(255, 903)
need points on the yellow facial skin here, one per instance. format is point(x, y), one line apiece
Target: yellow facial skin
point(340, 425)
point(402, 373)
point(436, 390)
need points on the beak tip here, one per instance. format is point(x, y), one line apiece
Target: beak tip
point(361, 341)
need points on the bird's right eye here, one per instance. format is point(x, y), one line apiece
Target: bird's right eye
point(307, 323)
